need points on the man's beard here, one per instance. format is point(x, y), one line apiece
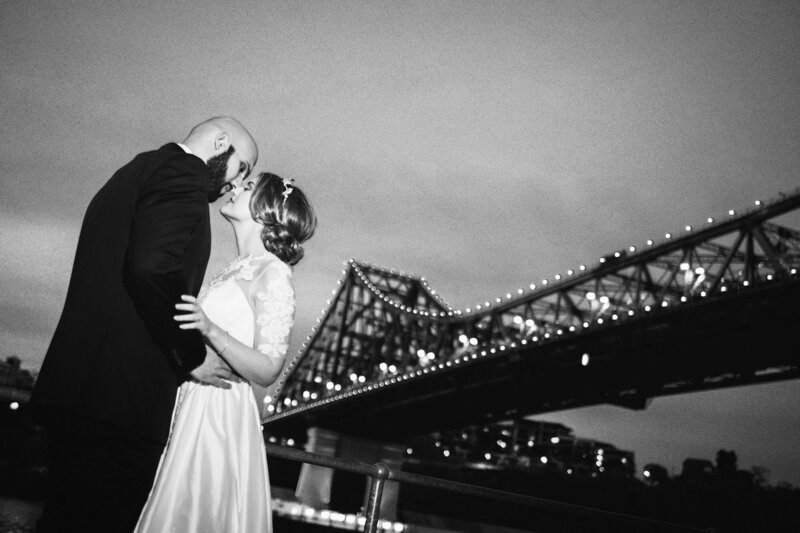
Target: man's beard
point(217, 169)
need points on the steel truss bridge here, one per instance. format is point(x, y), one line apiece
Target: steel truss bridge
point(713, 307)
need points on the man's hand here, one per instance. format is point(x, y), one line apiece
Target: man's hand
point(214, 371)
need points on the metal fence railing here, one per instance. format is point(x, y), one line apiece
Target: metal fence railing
point(379, 473)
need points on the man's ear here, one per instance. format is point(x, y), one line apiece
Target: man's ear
point(222, 142)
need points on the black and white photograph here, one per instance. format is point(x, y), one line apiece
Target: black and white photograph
point(423, 266)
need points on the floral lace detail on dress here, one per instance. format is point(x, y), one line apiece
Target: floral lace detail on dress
point(240, 268)
point(275, 317)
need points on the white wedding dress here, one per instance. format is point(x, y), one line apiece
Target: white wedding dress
point(213, 473)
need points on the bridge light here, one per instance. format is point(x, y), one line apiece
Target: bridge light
point(585, 359)
point(497, 300)
point(582, 267)
point(683, 299)
point(431, 356)
point(647, 308)
point(664, 303)
point(362, 379)
point(517, 319)
point(508, 296)
point(758, 203)
point(570, 272)
point(668, 235)
point(520, 291)
point(699, 271)
point(287, 401)
point(555, 440)
point(337, 387)
point(649, 242)
point(558, 277)
point(617, 254)
point(468, 310)
point(731, 212)
point(383, 367)
point(590, 296)
point(746, 283)
point(632, 249)
point(409, 451)
point(604, 299)
point(602, 260)
point(685, 266)
point(723, 289)
point(306, 395)
point(487, 456)
point(267, 399)
point(710, 220)
point(543, 459)
point(420, 353)
point(630, 312)
point(478, 307)
point(270, 408)
point(446, 453)
point(13, 406)
point(688, 228)
point(473, 341)
point(353, 377)
point(392, 369)
point(532, 286)
point(600, 320)
point(329, 385)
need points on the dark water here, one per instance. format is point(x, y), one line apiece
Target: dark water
point(18, 516)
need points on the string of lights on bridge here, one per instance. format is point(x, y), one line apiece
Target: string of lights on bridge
point(359, 385)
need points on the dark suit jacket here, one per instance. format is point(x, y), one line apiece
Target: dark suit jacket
point(117, 355)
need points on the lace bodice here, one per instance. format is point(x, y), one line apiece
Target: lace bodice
point(253, 300)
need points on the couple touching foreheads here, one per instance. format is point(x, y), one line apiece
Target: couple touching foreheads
point(145, 389)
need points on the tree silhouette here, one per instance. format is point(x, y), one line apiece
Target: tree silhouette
point(726, 462)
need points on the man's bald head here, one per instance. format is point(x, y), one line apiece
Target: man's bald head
point(227, 147)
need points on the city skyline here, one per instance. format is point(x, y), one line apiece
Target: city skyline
point(482, 145)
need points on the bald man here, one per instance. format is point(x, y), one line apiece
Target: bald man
point(106, 389)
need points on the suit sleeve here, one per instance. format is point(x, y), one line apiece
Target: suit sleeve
point(172, 203)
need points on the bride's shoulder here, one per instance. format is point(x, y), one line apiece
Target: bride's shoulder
point(270, 269)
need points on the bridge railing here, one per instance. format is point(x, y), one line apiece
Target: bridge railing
point(379, 473)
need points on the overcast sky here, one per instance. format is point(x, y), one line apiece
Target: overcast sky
point(483, 145)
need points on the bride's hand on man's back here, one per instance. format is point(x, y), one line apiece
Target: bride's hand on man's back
point(215, 371)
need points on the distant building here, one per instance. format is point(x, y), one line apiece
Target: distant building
point(697, 469)
point(524, 445)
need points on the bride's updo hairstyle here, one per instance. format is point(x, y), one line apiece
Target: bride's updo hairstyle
point(287, 217)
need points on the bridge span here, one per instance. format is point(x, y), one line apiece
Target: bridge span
point(705, 308)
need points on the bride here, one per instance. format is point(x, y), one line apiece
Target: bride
point(213, 472)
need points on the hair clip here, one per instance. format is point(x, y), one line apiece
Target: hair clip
point(287, 189)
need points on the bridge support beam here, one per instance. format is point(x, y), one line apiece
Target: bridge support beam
point(315, 482)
